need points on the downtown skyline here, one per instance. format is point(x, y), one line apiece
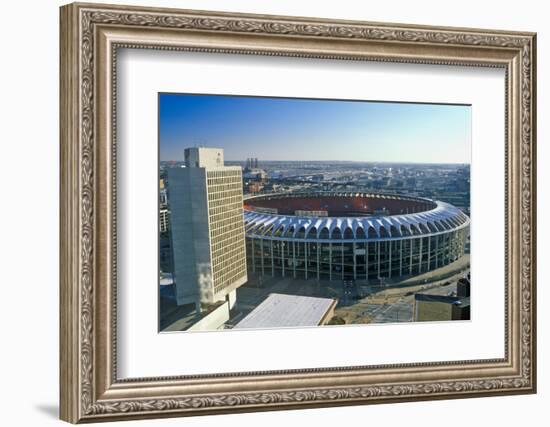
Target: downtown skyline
point(295, 129)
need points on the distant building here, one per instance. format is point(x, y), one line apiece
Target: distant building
point(251, 163)
point(440, 307)
point(163, 197)
point(164, 220)
point(280, 310)
point(163, 208)
point(207, 228)
point(255, 175)
point(429, 306)
point(463, 287)
point(254, 187)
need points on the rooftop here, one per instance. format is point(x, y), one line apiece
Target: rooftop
point(282, 215)
point(281, 310)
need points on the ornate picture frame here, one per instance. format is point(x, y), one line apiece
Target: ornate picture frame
point(90, 37)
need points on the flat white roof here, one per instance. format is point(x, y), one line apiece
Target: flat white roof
point(281, 310)
point(166, 279)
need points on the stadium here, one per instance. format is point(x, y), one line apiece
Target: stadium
point(360, 236)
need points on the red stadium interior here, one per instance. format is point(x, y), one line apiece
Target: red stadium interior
point(340, 205)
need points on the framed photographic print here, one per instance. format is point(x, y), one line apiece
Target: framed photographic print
point(326, 239)
point(265, 212)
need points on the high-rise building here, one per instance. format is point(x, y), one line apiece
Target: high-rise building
point(164, 220)
point(207, 227)
point(163, 198)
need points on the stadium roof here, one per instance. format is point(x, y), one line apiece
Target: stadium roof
point(281, 310)
point(444, 217)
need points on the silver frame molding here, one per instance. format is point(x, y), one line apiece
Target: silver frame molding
point(90, 36)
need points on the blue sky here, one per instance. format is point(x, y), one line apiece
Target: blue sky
point(309, 129)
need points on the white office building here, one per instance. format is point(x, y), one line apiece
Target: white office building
point(207, 228)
